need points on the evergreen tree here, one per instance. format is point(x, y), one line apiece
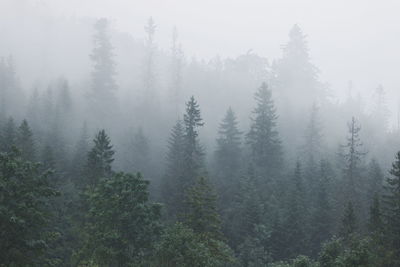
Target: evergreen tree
point(25, 141)
point(349, 223)
point(354, 156)
point(375, 224)
point(176, 71)
point(25, 193)
point(173, 182)
point(121, 225)
point(263, 137)
point(227, 156)
point(103, 75)
point(9, 135)
point(202, 214)
point(321, 223)
point(375, 179)
point(392, 210)
point(99, 160)
point(193, 152)
point(77, 169)
point(141, 153)
point(295, 233)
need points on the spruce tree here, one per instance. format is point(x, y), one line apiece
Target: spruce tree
point(227, 156)
point(193, 152)
point(392, 210)
point(263, 137)
point(9, 135)
point(99, 160)
point(173, 181)
point(349, 223)
point(25, 142)
point(375, 224)
point(103, 75)
point(202, 215)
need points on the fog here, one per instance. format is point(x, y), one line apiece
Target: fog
point(287, 110)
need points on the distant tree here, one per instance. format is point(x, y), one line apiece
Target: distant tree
point(25, 142)
point(9, 135)
point(228, 156)
point(122, 225)
point(202, 215)
point(173, 181)
point(79, 158)
point(140, 153)
point(354, 156)
point(176, 71)
point(295, 223)
point(263, 137)
point(149, 72)
point(99, 160)
point(322, 221)
point(392, 210)
point(375, 180)
point(103, 75)
point(375, 224)
point(193, 152)
point(349, 223)
point(25, 193)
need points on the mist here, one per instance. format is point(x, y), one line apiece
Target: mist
point(265, 128)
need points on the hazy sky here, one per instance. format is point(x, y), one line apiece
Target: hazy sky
point(348, 39)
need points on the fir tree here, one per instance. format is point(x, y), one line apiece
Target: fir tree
point(228, 156)
point(375, 224)
point(202, 214)
point(193, 153)
point(9, 135)
point(392, 210)
point(103, 81)
point(349, 223)
point(99, 160)
point(173, 182)
point(25, 141)
point(263, 137)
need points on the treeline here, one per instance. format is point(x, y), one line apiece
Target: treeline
point(289, 187)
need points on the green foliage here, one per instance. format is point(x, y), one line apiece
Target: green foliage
point(202, 216)
point(181, 246)
point(25, 194)
point(25, 141)
point(121, 225)
point(263, 137)
point(99, 160)
point(349, 222)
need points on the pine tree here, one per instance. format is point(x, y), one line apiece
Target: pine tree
point(173, 182)
point(375, 179)
point(202, 214)
point(9, 136)
point(227, 156)
point(263, 137)
point(77, 168)
point(321, 223)
point(193, 152)
point(296, 216)
point(375, 224)
point(25, 142)
point(354, 156)
point(392, 210)
point(349, 223)
point(99, 160)
point(141, 153)
point(103, 75)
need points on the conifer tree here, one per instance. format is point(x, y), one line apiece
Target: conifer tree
point(176, 71)
point(9, 135)
point(321, 224)
point(202, 215)
point(141, 153)
point(228, 156)
point(375, 224)
point(99, 160)
point(349, 222)
point(103, 75)
point(263, 137)
point(173, 182)
point(392, 209)
point(193, 152)
point(79, 158)
point(25, 141)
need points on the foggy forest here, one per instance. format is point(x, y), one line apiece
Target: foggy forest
point(199, 133)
